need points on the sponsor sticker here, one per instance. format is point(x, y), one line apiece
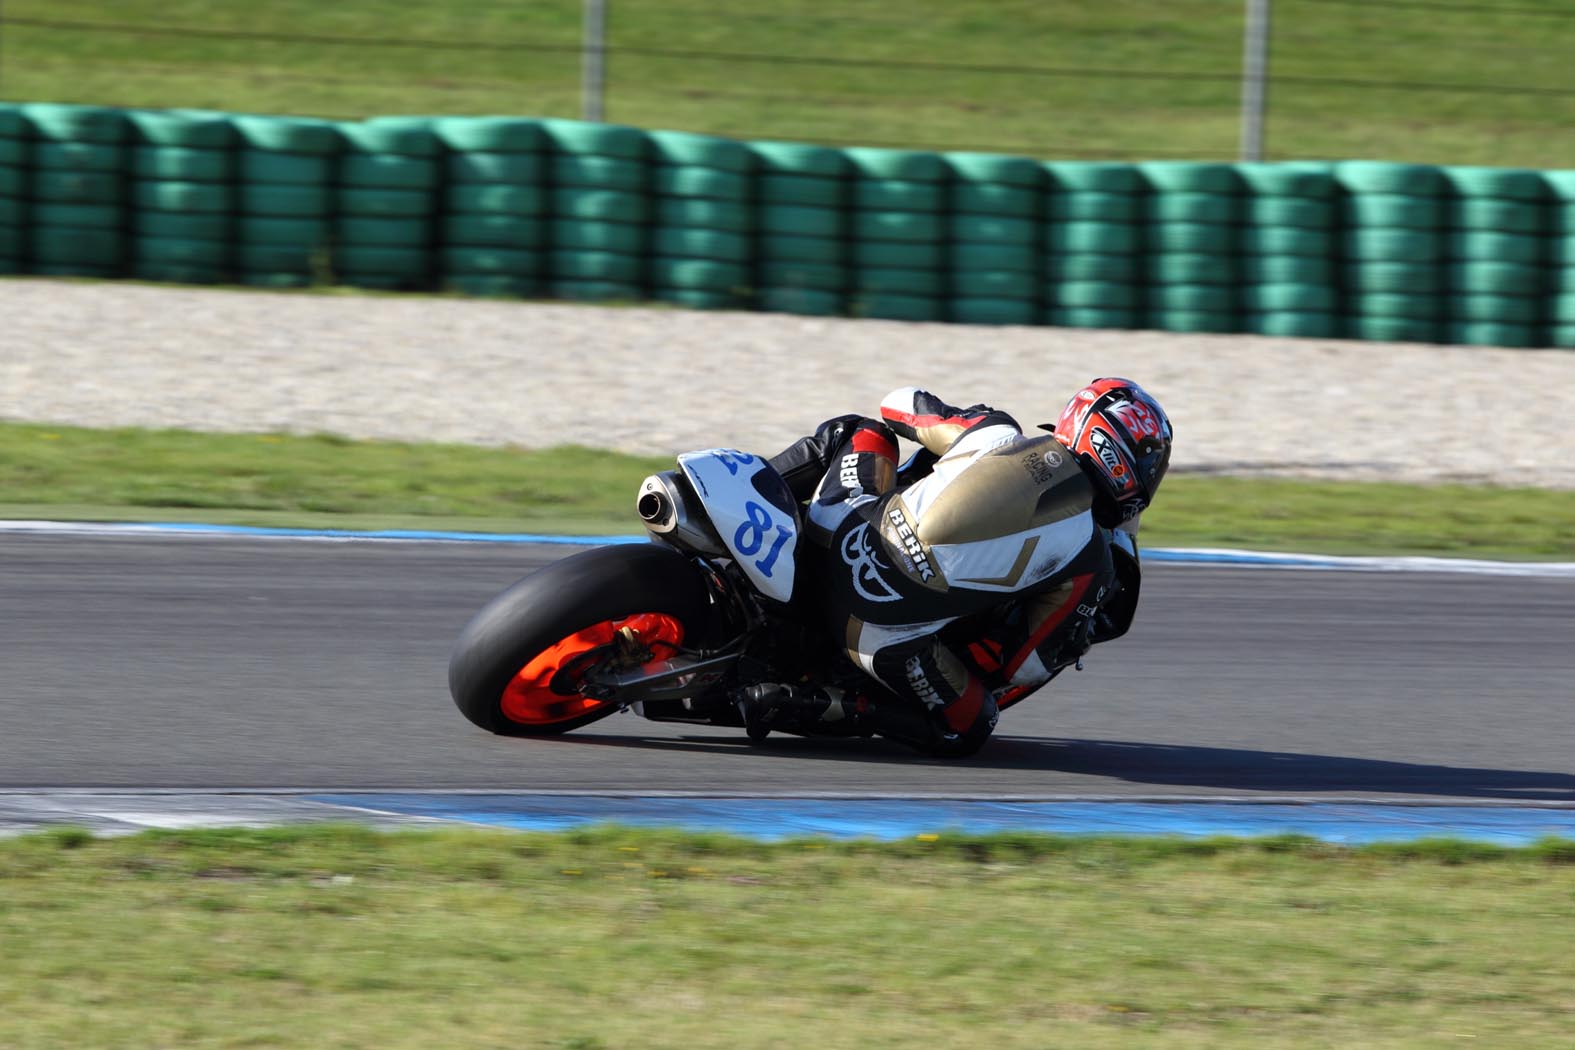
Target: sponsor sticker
point(912, 546)
point(859, 555)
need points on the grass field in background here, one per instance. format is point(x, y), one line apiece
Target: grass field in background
point(1325, 56)
point(328, 482)
point(340, 938)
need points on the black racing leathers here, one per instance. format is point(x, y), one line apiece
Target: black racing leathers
point(986, 575)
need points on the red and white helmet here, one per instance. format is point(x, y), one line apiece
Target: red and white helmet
point(1122, 437)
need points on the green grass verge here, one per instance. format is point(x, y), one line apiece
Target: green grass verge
point(329, 938)
point(1330, 60)
point(72, 473)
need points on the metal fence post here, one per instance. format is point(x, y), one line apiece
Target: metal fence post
point(1254, 79)
point(593, 60)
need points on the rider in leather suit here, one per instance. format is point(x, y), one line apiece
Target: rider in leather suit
point(978, 581)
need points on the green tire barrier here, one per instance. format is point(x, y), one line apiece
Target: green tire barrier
point(69, 269)
point(388, 171)
point(983, 310)
point(179, 250)
point(1287, 269)
point(1190, 268)
point(66, 245)
point(899, 195)
point(826, 278)
point(1298, 325)
point(12, 213)
point(497, 200)
point(875, 163)
point(1497, 278)
point(76, 187)
point(1495, 247)
point(12, 180)
point(13, 151)
point(1288, 240)
point(496, 261)
point(1094, 206)
point(177, 273)
point(360, 261)
point(90, 215)
point(389, 233)
point(900, 282)
point(809, 302)
point(1492, 215)
point(1094, 176)
point(596, 291)
point(11, 240)
point(182, 129)
point(608, 140)
point(1105, 295)
point(1372, 176)
point(79, 156)
point(263, 279)
point(1194, 320)
point(1177, 176)
point(597, 266)
point(700, 151)
point(819, 250)
point(898, 226)
point(1294, 179)
point(995, 284)
point(383, 282)
point(499, 231)
point(182, 196)
point(599, 205)
point(1092, 266)
point(811, 191)
point(698, 244)
point(1289, 298)
point(1393, 277)
point(402, 136)
point(1494, 333)
point(994, 168)
point(1109, 238)
point(1562, 308)
point(288, 134)
point(705, 214)
point(1396, 304)
point(885, 306)
point(599, 173)
point(985, 198)
point(969, 255)
point(491, 285)
point(1393, 329)
point(1192, 298)
point(915, 255)
point(389, 204)
point(680, 181)
point(1191, 237)
point(993, 229)
point(1093, 317)
point(76, 124)
point(1512, 183)
point(698, 274)
point(1192, 208)
point(209, 227)
point(1512, 309)
point(286, 201)
point(496, 167)
point(801, 221)
point(489, 134)
point(1291, 211)
point(699, 299)
point(1393, 210)
point(264, 166)
point(298, 232)
point(793, 158)
point(179, 164)
point(279, 258)
point(1381, 244)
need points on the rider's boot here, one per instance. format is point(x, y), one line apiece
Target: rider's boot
point(809, 710)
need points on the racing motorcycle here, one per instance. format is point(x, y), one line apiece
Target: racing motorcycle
point(673, 629)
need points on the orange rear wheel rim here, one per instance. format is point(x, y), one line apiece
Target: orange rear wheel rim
point(529, 698)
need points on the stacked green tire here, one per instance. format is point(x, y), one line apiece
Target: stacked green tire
point(1092, 240)
point(1288, 237)
point(183, 199)
point(493, 227)
point(704, 219)
point(78, 190)
point(389, 174)
point(286, 168)
point(1392, 250)
point(802, 192)
point(898, 227)
point(13, 188)
point(995, 243)
point(1493, 256)
point(601, 207)
point(1559, 274)
point(1192, 222)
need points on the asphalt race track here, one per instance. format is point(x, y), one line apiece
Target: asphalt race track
point(230, 663)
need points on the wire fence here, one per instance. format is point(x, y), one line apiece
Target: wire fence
point(794, 90)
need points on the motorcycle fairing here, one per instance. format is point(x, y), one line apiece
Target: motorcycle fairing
point(751, 507)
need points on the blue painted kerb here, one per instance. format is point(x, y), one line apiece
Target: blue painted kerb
point(774, 819)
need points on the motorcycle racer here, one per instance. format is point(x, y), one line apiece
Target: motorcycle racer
point(978, 581)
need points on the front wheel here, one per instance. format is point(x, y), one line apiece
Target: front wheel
point(515, 665)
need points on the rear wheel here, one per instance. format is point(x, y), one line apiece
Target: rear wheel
point(517, 665)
